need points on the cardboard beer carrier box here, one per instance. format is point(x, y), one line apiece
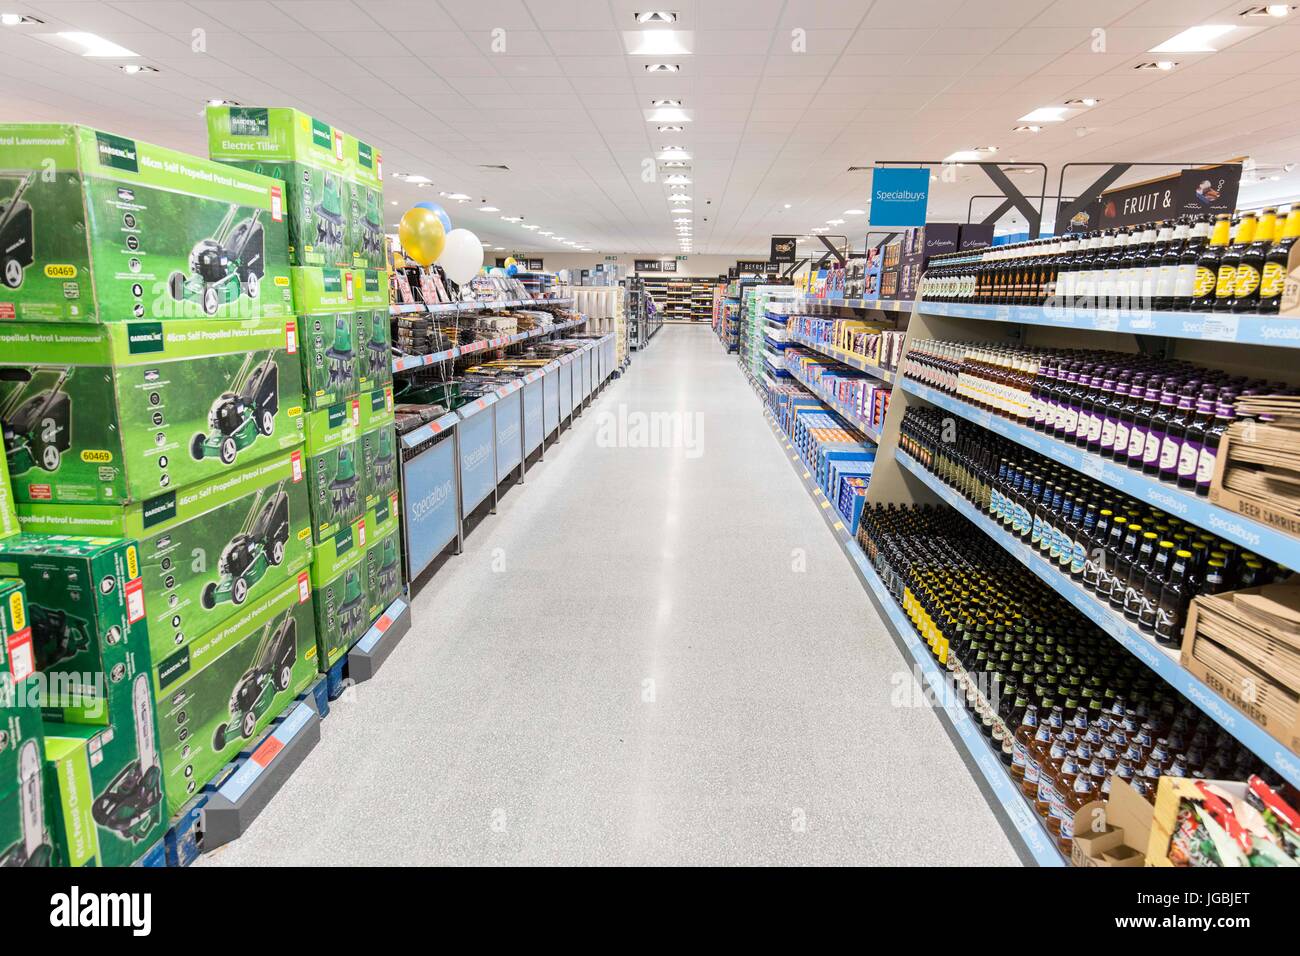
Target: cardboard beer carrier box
point(1245, 646)
point(106, 414)
point(126, 230)
point(1112, 832)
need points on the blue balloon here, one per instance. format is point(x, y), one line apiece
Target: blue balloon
point(438, 211)
point(512, 270)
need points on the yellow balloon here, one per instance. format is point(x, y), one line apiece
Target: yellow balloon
point(422, 235)
point(511, 261)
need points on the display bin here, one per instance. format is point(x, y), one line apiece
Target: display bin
point(533, 397)
point(431, 517)
point(477, 455)
point(550, 398)
point(566, 387)
point(509, 429)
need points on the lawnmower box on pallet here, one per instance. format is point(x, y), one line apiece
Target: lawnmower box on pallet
point(338, 583)
point(216, 694)
point(207, 548)
point(104, 785)
point(117, 413)
point(85, 605)
point(126, 230)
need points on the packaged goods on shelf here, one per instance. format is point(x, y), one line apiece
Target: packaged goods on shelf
point(115, 413)
point(383, 571)
point(127, 231)
point(85, 603)
point(1203, 823)
point(216, 694)
point(374, 350)
point(1245, 645)
point(207, 548)
point(1066, 731)
point(25, 838)
point(865, 396)
point(334, 468)
point(338, 584)
point(379, 457)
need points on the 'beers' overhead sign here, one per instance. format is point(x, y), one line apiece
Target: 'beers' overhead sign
point(1192, 192)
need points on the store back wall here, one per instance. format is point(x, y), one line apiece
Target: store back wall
point(690, 266)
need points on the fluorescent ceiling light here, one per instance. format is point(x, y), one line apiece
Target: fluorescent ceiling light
point(1194, 39)
point(819, 229)
point(658, 42)
point(546, 233)
point(834, 222)
point(665, 102)
point(1026, 129)
point(677, 180)
point(487, 245)
point(488, 209)
point(1045, 114)
point(96, 45)
point(855, 212)
point(17, 20)
point(498, 248)
point(961, 156)
point(134, 68)
point(787, 205)
point(412, 178)
point(683, 219)
point(668, 114)
point(678, 197)
point(532, 227)
point(459, 197)
point(513, 218)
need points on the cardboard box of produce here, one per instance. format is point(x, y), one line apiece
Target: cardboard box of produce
point(207, 548)
point(104, 784)
point(219, 692)
point(338, 576)
point(86, 608)
point(116, 413)
point(126, 230)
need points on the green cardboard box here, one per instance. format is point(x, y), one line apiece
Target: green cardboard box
point(102, 228)
point(374, 350)
point(366, 226)
point(206, 549)
point(115, 413)
point(218, 693)
point(372, 289)
point(104, 785)
point(8, 517)
point(20, 699)
point(364, 162)
point(318, 291)
point(383, 571)
point(379, 458)
point(338, 581)
point(329, 357)
point(317, 206)
point(25, 838)
point(85, 605)
point(238, 134)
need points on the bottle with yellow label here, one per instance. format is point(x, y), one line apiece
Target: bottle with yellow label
point(1245, 296)
point(1226, 285)
point(1273, 278)
point(1207, 266)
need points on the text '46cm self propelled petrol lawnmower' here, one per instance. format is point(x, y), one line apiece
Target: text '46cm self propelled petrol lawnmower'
point(132, 804)
point(259, 545)
point(17, 240)
point(223, 268)
point(32, 849)
point(270, 674)
point(238, 416)
point(36, 428)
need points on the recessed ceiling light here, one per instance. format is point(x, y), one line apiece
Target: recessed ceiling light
point(986, 149)
point(662, 68)
point(96, 45)
point(679, 198)
point(676, 164)
point(133, 68)
point(672, 129)
point(1045, 114)
point(559, 238)
point(665, 102)
point(413, 178)
point(221, 102)
point(1086, 101)
point(459, 197)
point(513, 218)
point(960, 156)
point(488, 209)
point(787, 205)
point(498, 248)
point(683, 219)
point(487, 245)
point(819, 229)
point(656, 16)
point(658, 42)
point(532, 226)
point(546, 233)
point(17, 20)
point(392, 202)
point(1194, 39)
point(855, 212)
point(1026, 129)
point(677, 180)
point(834, 222)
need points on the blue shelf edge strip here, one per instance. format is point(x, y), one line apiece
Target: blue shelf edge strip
point(237, 784)
point(1251, 535)
point(1032, 833)
point(1165, 665)
point(1210, 327)
point(381, 626)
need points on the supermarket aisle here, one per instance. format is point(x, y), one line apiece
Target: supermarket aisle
point(650, 655)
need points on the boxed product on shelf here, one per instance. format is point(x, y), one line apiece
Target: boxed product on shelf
point(216, 694)
point(125, 230)
point(383, 570)
point(1245, 646)
point(25, 838)
point(104, 791)
point(338, 584)
point(329, 349)
point(207, 548)
point(1257, 467)
point(85, 604)
point(374, 349)
point(379, 456)
point(1224, 823)
point(365, 223)
point(114, 413)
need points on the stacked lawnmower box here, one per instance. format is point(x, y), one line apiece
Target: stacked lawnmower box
point(334, 205)
point(155, 410)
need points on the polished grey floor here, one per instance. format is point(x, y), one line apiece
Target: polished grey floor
point(650, 655)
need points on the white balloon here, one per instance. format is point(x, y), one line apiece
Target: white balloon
point(462, 256)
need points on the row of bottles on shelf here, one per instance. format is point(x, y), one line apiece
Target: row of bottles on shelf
point(1158, 416)
point(1193, 264)
point(1061, 708)
point(1142, 562)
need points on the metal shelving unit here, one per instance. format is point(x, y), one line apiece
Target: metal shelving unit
point(406, 363)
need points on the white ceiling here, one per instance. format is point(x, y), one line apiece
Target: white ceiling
point(564, 106)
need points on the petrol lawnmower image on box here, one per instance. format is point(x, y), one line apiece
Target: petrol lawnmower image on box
point(32, 849)
point(240, 415)
point(132, 804)
point(35, 427)
point(259, 545)
point(56, 635)
point(329, 213)
point(17, 241)
point(223, 268)
point(270, 674)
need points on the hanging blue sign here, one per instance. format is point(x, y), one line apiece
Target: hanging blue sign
point(899, 196)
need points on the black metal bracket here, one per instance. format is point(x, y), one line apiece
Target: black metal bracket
point(839, 256)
